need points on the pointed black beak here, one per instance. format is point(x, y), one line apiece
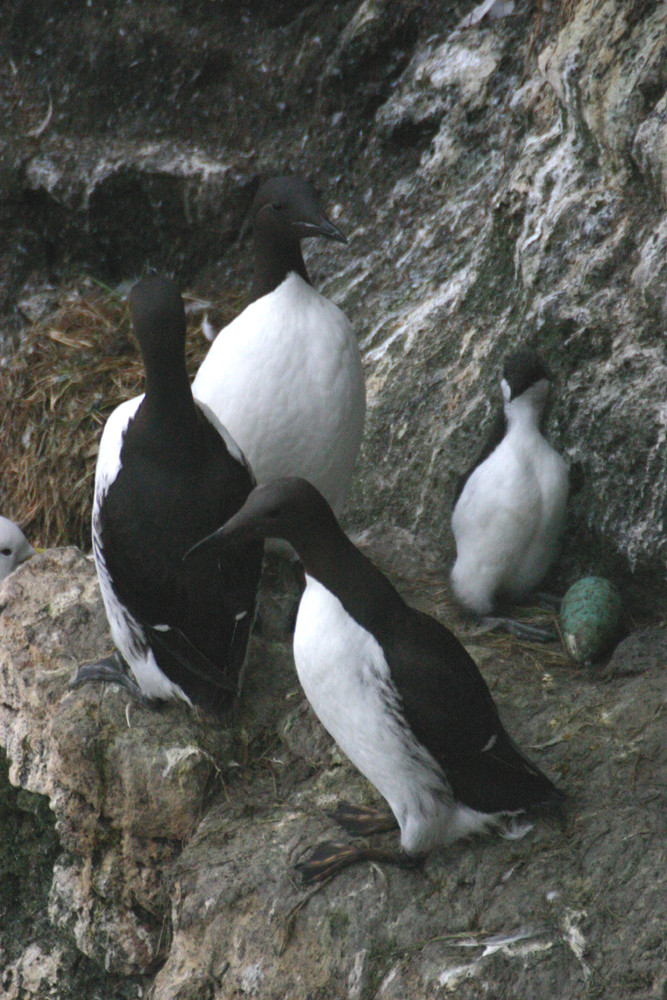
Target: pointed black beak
point(215, 536)
point(238, 529)
point(322, 228)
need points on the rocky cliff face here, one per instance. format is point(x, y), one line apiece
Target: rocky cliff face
point(501, 181)
point(169, 872)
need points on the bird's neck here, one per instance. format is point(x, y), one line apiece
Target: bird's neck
point(277, 254)
point(168, 401)
point(363, 591)
point(524, 416)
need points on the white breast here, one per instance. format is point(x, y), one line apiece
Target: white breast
point(347, 681)
point(508, 519)
point(111, 442)
point(285, 378)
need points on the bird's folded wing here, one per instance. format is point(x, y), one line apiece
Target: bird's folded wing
point(176, 645)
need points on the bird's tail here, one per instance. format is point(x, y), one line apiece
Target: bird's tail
point(504, 779)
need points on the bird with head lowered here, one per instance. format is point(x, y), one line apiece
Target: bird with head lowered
point(395, 688)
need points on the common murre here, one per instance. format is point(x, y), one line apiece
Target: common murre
point(285, 377)
point(14, 547)
point(166, 471)
point(396, 690)
point(510, 512)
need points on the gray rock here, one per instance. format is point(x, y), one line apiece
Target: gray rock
point(375, 25)
point(650, 275)
point(178, 837)
point(490, 199)
point(526, 225)
point(649, 149)
point(645, 649)
point(127, 784)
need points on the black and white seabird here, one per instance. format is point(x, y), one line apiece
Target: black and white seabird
point(167, 471)
point(510, 513)
point(396, 690)
point(285, 377)
point(14, 547)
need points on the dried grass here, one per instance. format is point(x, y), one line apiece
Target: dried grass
point(59, 388)
point(504, 646)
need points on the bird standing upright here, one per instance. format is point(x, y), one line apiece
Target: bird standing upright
point(168, 470)
point(285, 377)
point(509, 516)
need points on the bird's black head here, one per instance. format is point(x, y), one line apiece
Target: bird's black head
point(288, 508)
point(292, 201)
point(158, 316)
point(523, 369)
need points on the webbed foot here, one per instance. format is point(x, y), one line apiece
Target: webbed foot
point(328, 859)
point(520, 630)
point(363, 821)
point(111, 670)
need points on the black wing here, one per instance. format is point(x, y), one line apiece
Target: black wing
point(152, 514)
point(449, 707)
point(194, 672)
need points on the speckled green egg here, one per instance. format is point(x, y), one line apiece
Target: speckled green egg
point(590, 618)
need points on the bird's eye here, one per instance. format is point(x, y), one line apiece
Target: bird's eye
point(278, 205)
point(6, 552)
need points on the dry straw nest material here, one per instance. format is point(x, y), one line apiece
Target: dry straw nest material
point(59, 388)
